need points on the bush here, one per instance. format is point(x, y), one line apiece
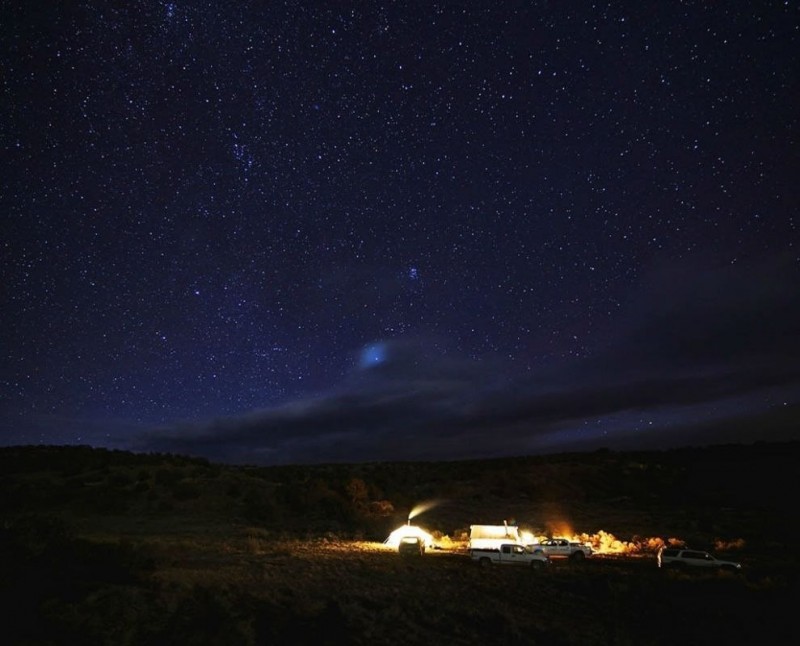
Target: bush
point(202, 617)
point(260, 509)
point(168, 476)
point(185, 491)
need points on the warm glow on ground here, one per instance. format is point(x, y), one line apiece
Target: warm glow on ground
point(601, 542)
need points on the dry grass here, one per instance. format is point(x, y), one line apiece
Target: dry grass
point(191, 555)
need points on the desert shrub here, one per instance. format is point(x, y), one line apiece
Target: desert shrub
point(185, 491)
point(107, 501)
point(29, 495)
point(333, 510)
point(32, 535)
point(117, 562)
point(461, 535)
point(260, 509)
point(287, 624)
point(315, 504)
point(141, 487)
point(200, 468)
point(381, 508)
point(119, 479)
point(357, 491)
point(256, 544)
point(46, 571)
point(168, 476)
point(204, 616)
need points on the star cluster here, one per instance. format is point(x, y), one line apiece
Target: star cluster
point(220, 215)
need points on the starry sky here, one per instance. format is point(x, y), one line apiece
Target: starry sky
point(304, 232)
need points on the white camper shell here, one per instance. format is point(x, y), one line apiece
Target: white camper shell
point(492, 536)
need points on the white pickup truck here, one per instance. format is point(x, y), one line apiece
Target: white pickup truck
point(509, 554)
point(561, 547)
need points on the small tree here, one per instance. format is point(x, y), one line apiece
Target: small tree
point(381, 508)
point(358, 492)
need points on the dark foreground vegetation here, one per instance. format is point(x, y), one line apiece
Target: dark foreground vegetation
point(110, 547)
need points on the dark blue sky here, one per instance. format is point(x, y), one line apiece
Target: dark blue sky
point(302, 232)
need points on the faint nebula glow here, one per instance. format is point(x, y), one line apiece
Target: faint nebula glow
point(372, 355)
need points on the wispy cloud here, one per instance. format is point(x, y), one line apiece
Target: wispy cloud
point(697, 338)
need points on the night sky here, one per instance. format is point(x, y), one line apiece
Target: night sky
point(303, 232)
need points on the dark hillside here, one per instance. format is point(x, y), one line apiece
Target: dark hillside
point(112, 547)
point(668, 488)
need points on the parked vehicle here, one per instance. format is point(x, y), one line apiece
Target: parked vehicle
point(508, 554)
point(411, 546)
point(685, 558)
point(561, 547)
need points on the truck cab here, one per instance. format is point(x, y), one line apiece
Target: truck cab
point(562, 547)
point(508, 554)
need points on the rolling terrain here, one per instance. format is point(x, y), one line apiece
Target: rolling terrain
point(110, 547)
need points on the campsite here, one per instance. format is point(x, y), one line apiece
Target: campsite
point(110, 547)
